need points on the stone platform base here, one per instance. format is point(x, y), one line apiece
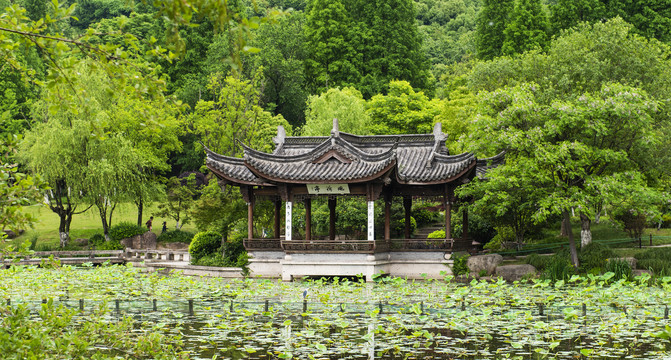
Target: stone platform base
point(417, 265)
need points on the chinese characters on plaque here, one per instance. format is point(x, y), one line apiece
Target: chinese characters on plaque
point(287, 226)
point(318, 189)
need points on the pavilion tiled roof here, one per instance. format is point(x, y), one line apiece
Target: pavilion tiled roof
point(414, 159)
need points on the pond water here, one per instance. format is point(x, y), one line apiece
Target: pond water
point(261, 319)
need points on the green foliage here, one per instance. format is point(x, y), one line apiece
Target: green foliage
point(16, 190)
point(527, 29)
point(218, 210)
point(97, 239)
point(58, 334)
point(213, 259)
point(650, 18)
point(504, 234)
point(459, 266)
point(594, 256)
point(492, 21)
point(657, 260)
point(438, 234)
point(175, 236)
point(204, 244)
point(124, 230)
point(540, 262)
point(402, 110)
point(620, 268)
point(365, 44)
point(179, 200)
point(424, 216)
point(282, 56)
point(558, 268)
point(346, 105)
point(235, 116)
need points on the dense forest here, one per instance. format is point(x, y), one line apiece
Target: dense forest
point(104, 101)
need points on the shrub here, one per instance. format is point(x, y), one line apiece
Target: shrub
point(663, 253)
point(212, 260)
point(110, 245)
point(96, 239)
point(424, 216)
point(621, 268)
point(124, 230)
point(594, 256)
point(538, 261)
point(504, 234)
point(558, 268)
point(203, 244)
point(438, 234)
point(234, 248)
point(658, 266)
point(175, 236)
point(459, 266)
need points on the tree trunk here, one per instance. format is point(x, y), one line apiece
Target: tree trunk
point(585, 231)
point(140, 206)
point(63, 229)
point(571, 241)
point(102, 211)
point(564, 228)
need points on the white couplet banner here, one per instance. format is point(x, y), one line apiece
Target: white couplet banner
point(371, 220)
point(287, 227)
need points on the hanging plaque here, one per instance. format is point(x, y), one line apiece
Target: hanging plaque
point(318, 189)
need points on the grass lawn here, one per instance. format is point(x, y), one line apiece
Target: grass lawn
point(86, 224)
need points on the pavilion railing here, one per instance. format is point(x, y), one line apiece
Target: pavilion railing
point(332, 246)
point(262, 244)
point(420, 245)
point(354, 246)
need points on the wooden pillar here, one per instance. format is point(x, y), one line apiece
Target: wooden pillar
point(250, 220)
point(276, 228)
point(447, 204)
point(465, 222)
point(308, 218)
point(332, 218)
point(371, 220)
point(407, 204)
point(387, 216)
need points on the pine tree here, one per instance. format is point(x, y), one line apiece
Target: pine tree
point(527, 29)
point(392, 48)
point(568, 13)
point(491, 23)
point(330, 42)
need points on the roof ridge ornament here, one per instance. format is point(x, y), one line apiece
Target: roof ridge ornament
point(438, 137)
point(279, 139)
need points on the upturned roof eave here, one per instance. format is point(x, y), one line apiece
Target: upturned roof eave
point(218, 173)
point(462, 173)
point(367, 178)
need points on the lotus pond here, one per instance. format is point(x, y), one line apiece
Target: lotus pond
point(585, 317)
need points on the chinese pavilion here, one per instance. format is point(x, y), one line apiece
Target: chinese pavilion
point(301, 169)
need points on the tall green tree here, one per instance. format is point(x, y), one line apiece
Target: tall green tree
point(333, 44)
point(392, 47)
point(575, 151)
point(402, 111)
point(346, 105)
point(235, 116)
point(566, 14)
point(282, 57)
point(492, 21)
point(527, 28)
point(97, 154)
